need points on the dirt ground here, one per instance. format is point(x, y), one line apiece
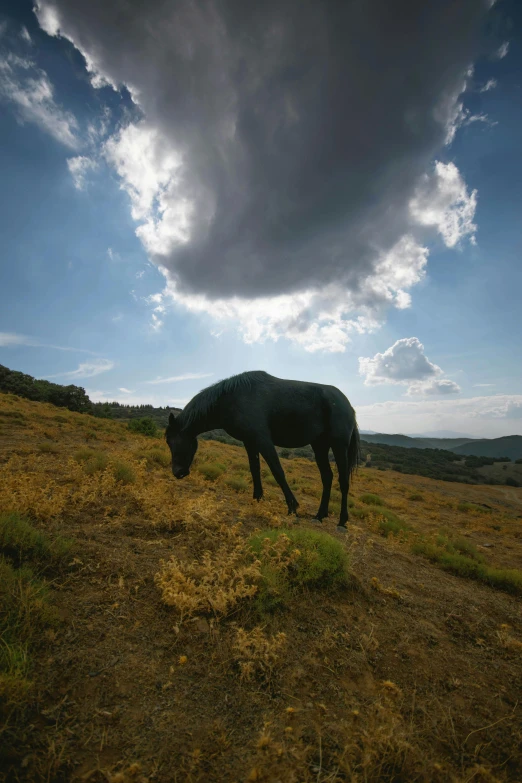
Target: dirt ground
point(410, 674)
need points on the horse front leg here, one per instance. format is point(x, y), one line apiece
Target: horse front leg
point(255, 470)
point(321, 449)
point(269, 454)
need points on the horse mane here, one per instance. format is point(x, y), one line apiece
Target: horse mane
point(202, 404)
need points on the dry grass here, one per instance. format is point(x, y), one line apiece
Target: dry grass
point(145, 654)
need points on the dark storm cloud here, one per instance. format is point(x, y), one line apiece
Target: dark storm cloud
point(303, 126)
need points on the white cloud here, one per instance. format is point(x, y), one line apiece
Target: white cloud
point(503, 50)
point(79, 168)
point(188, 376)
point(87, 369)
point(405, 363)
point(502, 407)
point(442, 201)
point(113, 255)
point(125, 391)
point(30, 91)
point(491, 416)
point(478, 385)
point(10, 339)
point(150, 172)
point(24, 34)
point(489, 85)
point(436, 386)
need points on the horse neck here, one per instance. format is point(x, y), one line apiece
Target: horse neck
point(202, 423)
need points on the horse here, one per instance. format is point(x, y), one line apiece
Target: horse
point(264, 412)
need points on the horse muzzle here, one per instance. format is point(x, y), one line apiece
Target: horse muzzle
point(181, 473)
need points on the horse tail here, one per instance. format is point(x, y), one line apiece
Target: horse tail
point(354, 454)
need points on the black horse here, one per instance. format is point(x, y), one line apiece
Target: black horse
point(264, 412)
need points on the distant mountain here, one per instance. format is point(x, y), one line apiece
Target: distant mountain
point(409, 442)
point(443, 434)
point(508, 446)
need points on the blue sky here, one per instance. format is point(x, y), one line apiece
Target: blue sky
point(129, 256)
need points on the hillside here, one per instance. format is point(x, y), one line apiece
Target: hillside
point(508, 446)
point(158, 651)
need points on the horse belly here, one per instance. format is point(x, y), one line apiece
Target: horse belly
point(294, 430)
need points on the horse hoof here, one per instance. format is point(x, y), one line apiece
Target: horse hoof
point(341, 529)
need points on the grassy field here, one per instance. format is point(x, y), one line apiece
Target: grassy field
point(156, 630)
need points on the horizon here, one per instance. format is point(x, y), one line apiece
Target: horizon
point(207, 194)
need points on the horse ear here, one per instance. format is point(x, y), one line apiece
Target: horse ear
point(172, 422)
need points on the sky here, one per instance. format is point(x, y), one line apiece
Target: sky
point(327, 191)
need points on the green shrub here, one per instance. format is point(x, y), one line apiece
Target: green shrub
point(48, 448)
point(416, 496)
point(83, 454)
point(97, 462)
point(21, 541)
point(360, 513)
point(123, 472)
point(317, 561)
point(371, 500)
point(511, 482)
point(391, 523)
point(158, 457)
point(236, 483)
point(144, 426)
point(460, 546)
point(506, 579)
point(25, 613)
point(212, 470)
point(465, 506)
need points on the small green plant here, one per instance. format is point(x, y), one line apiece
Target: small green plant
point(48, 448)
point(21, 541)
point(144, 426)
point(123, 472)
point(158, 457)
point(459, 545)
point(465, 506)
point(360, 513)
point(371, 500)
point(508, 579)
point(389, 522)
point(97, 462)
point(212, 470)
point(81, 455)
point(237, 483)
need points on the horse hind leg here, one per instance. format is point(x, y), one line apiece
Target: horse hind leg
point(340, 451)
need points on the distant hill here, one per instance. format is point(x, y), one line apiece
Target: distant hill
point(443, 434)
point(409, 442)
point(508, 446)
